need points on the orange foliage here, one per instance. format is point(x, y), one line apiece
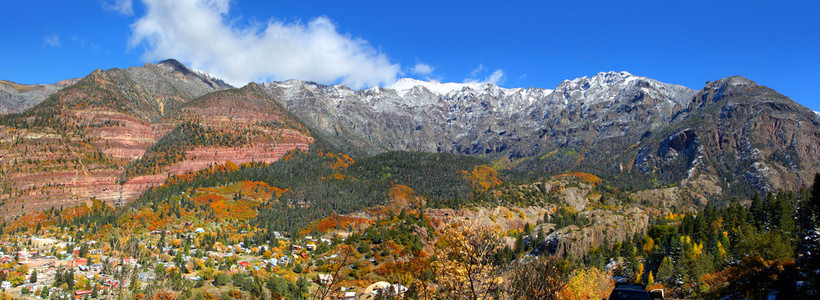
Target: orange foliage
point(401, 192)
point(338, 176)
point(414, 267)
point(585, 177)
point(340, 160)
point(402, 197)
point(164, 296)
point(207, 199)
point(483, 177)
point(72, 213)
point(260, 190)
point(230, 166)
point(335, 222)
point(30, 220)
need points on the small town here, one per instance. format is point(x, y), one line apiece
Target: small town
point(60, 266)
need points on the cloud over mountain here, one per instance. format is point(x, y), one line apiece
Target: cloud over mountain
point(201, 33)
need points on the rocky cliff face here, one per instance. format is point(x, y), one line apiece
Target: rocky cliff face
point(78, 143)
point(484, 118)
point(747, 136)
point(733, 132)
point(609, 227)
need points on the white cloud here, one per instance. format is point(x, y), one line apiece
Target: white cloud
point(52, 40)
point(124, 7)
point(201, 33)
point(477, 70)
point(422, 69)
point(497, 77)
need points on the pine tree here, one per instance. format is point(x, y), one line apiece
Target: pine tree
point(757, 211)
point(58, 277)
point(665, 271)
point(33, 277)
point(650, 280)
point(69, 279)
point(808, 233)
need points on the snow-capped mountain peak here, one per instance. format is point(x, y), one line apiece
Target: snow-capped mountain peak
point(405, 85)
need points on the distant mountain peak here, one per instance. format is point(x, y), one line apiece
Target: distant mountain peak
point(178, 67)
point(405, 85)
point(737, 80)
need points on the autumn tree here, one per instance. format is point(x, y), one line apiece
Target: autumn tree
point(345, 258)
point(464, 266)
point(538, 278)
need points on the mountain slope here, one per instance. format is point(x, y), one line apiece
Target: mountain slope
point(747, 136)
point(17, 98)
point(482, 118)
point(116, 133)
point(637, 131)
point(89, 139)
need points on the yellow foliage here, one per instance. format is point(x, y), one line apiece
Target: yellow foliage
point(587, 284)
point(721, 251)
point(647, 247)
point(461, 266)
point(585, 177)
point(483, 177)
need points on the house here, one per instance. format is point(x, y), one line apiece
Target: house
point(244, 264)
point(80, 261)
point(111, 282)
point(130, 261)
point(24, 255)
point(349, 295)
point(5, 285)
point(42, 243)
point(81, 293)
point(199, 230)
point(310, 247)
point(96, 267)
point(40, 262)
point(325, 279)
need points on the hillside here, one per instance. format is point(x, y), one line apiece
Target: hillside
point(743, 138)
point(17, 98)
point(116, 133)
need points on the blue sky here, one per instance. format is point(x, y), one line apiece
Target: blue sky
point(367, 43)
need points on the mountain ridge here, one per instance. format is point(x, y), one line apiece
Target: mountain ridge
point(733, 136)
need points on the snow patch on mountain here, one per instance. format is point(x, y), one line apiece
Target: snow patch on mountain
point(406, 85)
